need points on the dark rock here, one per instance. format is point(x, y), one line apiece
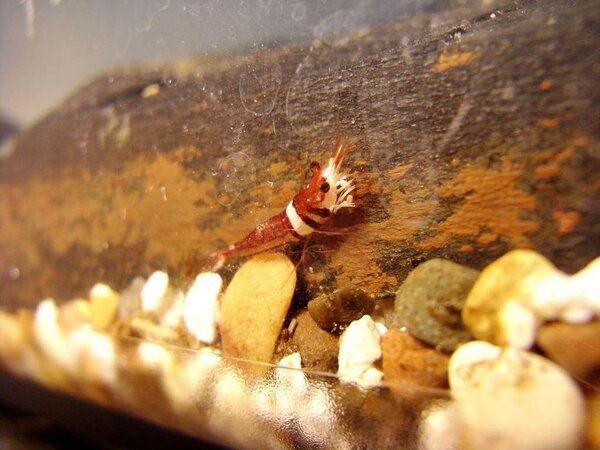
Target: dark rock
point(335, 311)
point(318, 348)
point(430, 301)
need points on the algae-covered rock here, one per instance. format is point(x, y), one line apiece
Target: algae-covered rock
point(335, 311)
point(430, 301)
point(254, 306)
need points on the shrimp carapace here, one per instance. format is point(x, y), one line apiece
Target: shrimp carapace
point(328, 191)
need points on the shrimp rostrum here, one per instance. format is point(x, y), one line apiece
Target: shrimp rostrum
point(328, 191)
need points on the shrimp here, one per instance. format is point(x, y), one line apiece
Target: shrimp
point(328, 191)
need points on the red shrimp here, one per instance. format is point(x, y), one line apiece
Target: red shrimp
point(328, 191)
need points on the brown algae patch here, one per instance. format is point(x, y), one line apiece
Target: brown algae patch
point(153, 201)
point(451, 61)
point(401, 226)
point(492, 205)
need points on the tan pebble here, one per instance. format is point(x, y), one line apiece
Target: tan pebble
point(407, 360)
point(574, 347)
point(593, 423)
point(255, 305)
point(74, 313)
point(512, 278)
point(104, 304)
point(12, 337)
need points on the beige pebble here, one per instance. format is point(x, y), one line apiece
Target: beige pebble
point(154, 290)
point(51, 338)
point(255, 305)
point(74, 313)
point(12, 337)
point(104, 304)
point(201, 307)
point(511, 398)
point(360, 347)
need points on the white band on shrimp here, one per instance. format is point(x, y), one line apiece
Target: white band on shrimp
point(298, 224)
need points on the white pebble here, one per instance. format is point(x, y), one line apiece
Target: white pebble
point(50, 338)
point(173, 317)
point(155, 356)
point(585, 283)
point(95, 355)
point(371, 377)
point(381, 328)
point(515, 399)
point(359, 348)
point(101, 291)
point(188, 382)
point(439, 428)
point(154, 291)
point(292, 361)
point(520, 325)
point(290, 375)
point(201, 308)
point(572, 299)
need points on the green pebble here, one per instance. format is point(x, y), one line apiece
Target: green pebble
point(430, 301)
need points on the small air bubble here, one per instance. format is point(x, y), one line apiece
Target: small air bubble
point(170, 82)
point(299, 12)
point(576, 160)
point(259, 86)
point(7, 148)
point(14, 273)
point(235, 173)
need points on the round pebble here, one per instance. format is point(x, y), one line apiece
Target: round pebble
point(430, 301)
point(335, 311)
point(495, 310)
point(511, 398)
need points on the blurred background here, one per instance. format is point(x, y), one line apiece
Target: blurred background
point(49, 48)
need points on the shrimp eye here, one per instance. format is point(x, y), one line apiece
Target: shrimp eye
point(324, 188)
